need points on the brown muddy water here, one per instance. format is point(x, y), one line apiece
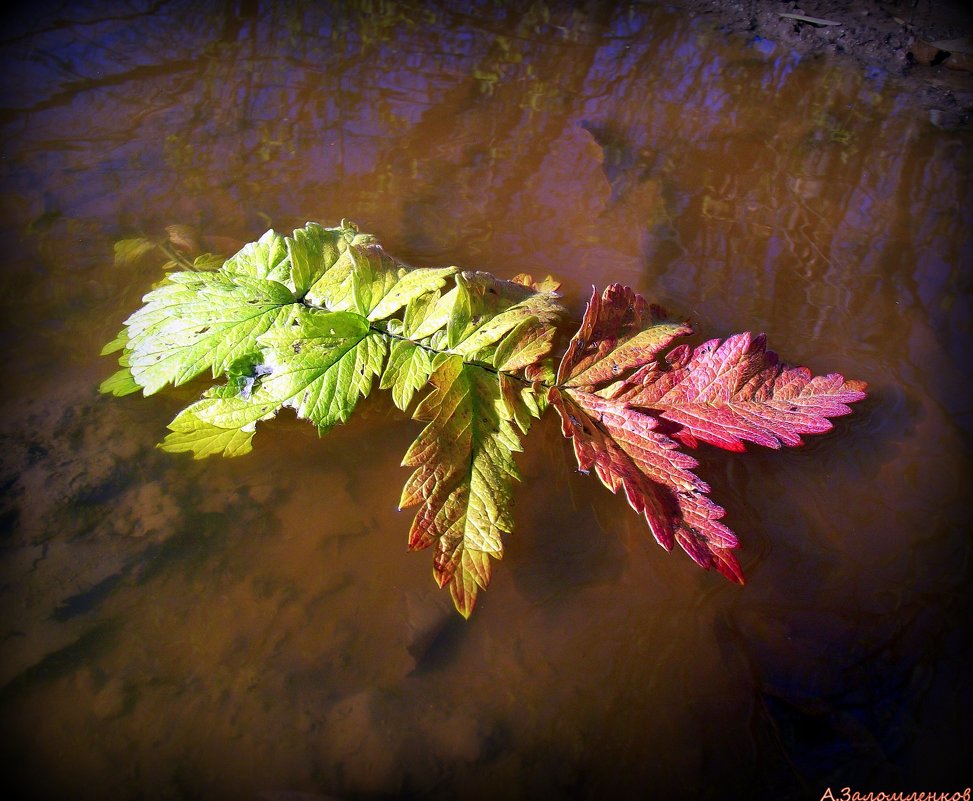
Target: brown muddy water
point(255, 628)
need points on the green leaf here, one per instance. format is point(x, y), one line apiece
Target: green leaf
point(120, 342)
point(307, 322)
point(409, 284)
point(408, 368)
point(313, 250)
point(207, 262)
point(222, 423)
point(430, 314)
point(366, 280)
point(492, 307)
point(417, 312)
point(480, 310)
point(266, 258)
point(464, 477)
point(526, 344)
point(119, 384)
point(129, 251)
point(200, 321)
point(321, 363)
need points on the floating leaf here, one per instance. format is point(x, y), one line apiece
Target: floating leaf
point(208, 261)
point(120, 383)
point(310, 321)
point(266, 259)
point(221, 423)
point(408, 368)
point(320, 363)
point(627, 411)
point(463, 478)
point(735, 391)
point(313, 250)
point(627, 451)
point(196, 322)
point(129, 251)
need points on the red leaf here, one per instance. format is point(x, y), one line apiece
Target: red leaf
point(735, 391)
point(619, 331)
point(627, 411)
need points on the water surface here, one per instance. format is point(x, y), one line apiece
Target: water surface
point(255, 627)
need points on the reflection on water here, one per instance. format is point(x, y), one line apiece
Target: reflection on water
point(256, 629)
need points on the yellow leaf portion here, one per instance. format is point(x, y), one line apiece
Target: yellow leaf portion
point(367, 280)
point(221, 423)
point(464, 477)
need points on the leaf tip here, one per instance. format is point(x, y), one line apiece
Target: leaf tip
point(728, 566)
point(463, 599)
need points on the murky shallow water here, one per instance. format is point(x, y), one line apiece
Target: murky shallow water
point(254, 628)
